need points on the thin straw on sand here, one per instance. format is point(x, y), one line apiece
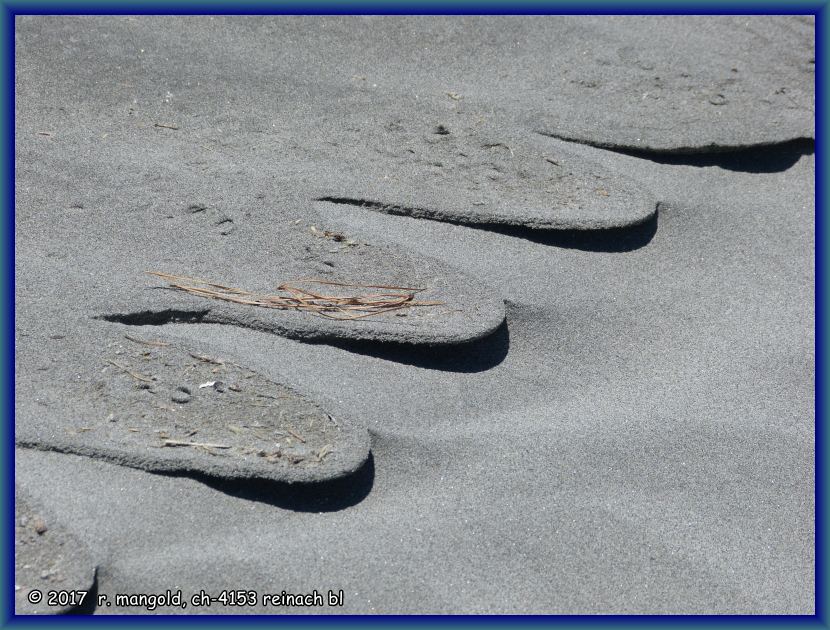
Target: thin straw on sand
point(346, 307)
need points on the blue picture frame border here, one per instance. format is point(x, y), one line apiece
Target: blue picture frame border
point(9, 9)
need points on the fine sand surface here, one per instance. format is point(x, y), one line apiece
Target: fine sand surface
point(582, 253)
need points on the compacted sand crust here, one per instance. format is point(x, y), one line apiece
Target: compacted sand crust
point(602, 404)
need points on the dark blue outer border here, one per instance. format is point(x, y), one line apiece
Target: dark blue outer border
point(410, 7)
point(7, 283)
point(820, 266)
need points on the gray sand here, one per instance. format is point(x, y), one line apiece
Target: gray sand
point(478, 170)
point(183, 227)
point(634, 436)
point(168, 407)
point(686, 83)
point(49, 560)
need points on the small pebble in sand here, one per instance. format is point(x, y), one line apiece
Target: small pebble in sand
point(39, 525)
point(182, 395)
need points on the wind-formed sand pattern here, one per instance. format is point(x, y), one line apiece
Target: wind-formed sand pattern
point(162, 406)
point(458, 314)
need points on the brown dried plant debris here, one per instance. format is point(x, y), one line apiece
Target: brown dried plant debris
point(291, 297)
point(182, 404)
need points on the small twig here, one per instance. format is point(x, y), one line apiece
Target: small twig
point(130, 372)
point(164, 407)
point(193, 444)
point(206, 359)
point(363, 286)
point(330, 306)
point(161, 126)
point(145, 342)
point(295, 434)
point(328, 448)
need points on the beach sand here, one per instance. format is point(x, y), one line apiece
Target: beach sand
point(604, 403)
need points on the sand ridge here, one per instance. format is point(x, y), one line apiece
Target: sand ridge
point(617, 420)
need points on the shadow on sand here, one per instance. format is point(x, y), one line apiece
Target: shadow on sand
point(322, 496)
point(471, 357)
point(621, 239)
point(773, 158)
point(614, 240)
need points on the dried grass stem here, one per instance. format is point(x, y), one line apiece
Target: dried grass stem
point(343, 307)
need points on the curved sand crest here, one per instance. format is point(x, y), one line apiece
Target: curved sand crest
point(692, 84)
point(481, 171)
point(48, 558)
point(447, 306)
point(143, 402)
point(659, 83)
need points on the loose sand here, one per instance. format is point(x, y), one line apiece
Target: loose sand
point(609, 410)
